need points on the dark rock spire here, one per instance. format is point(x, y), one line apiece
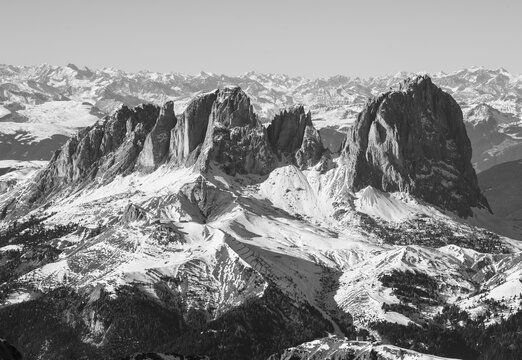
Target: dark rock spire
point(414, 140)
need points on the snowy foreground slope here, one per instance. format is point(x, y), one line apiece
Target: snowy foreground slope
point(146, 234)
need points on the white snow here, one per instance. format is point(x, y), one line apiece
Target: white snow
point(4, 112)
point(386, 206)
point(51, 118)
point(11, 248)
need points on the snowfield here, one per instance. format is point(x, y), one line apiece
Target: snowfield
point(255, 223)
point(51, 118)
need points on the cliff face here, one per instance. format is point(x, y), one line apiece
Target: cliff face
point(414, 140)
point(293, 136)
point(216, 129)
point(156, 147)
point(286, 131)
point(103, 150)
point(191, 129)
point(221, 128)
point(235, 139)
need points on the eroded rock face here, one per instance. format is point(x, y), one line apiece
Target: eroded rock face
point(292, 135)
point(102, 151)
point(218, 128)
point(311, 150)
point(286, 131)
point(414, 140)
point(156, 147)
point(221, 128)
point(235, 139)
point(191, 129)
point(133, 213)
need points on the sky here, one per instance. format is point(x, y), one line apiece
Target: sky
point(307, 38)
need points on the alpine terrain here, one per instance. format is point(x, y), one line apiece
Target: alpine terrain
point(275, 218)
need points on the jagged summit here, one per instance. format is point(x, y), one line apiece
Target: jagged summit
point(413, 139)
point(286, 130)
point(292, 135)
point(218, 127)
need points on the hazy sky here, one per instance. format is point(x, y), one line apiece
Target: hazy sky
point(310, 38)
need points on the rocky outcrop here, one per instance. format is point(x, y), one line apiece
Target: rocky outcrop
point(414, 140)
point(218, 129)
point(133, 213)
point(235, 139)
point(311, 150)
point(191, 129)
point(96, 155)
point(104, 150)
point(156, 148)
point(286, 131)
point(293, 136)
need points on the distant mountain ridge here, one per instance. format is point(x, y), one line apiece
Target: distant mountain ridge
point(70, 97)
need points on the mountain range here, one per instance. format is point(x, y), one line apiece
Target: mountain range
point(42, 105)
point(203, 219)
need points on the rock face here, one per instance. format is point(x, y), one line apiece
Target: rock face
point(218, 128)
point(156, 148)
point(311, 150)
point(102, 151)
point(414, 140)
point(235, 139)
point(190, 131)
point(286, 131)
point(292, 135)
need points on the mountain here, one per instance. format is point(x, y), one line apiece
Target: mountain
point(495, 136)
point(503, 187)
point(414, 140)
point(204, 233)
point(40, 106)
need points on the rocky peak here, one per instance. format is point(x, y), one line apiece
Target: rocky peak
point(217, 128)
point(191, 128)
point(233, 108)
point(102, 151)
point(292, 134)
point(413, 139)
point(156, 147)
point(235, 139)
point(286, 131)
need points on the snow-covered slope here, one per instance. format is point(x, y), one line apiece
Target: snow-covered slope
point(13, 173)
point(228, 254)
point(336, 348)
